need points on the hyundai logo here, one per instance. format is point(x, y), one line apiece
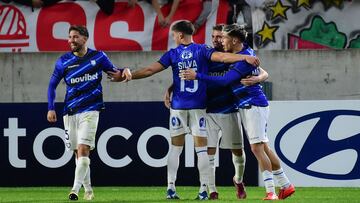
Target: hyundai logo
point(319, 144)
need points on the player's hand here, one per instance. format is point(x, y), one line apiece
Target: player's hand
point(252, 80)
point(253, 60)
point(51, 116)
point(167, 100)
point(126, 74)
point(115, 76)
point(188, 74)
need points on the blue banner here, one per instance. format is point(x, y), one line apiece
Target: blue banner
point(132, 144)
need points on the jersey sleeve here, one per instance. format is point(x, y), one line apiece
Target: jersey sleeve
point(207, 51)
point(107, 65)
point(54, 82)
point(241, 70)
point(165, 60)
point(244, 68)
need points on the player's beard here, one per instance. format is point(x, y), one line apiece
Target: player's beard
point(75, 47)
point(219, 47)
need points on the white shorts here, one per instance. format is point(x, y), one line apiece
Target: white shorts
point(192, 119)
point(81, 129)
point(255, 122)
point(230, 127)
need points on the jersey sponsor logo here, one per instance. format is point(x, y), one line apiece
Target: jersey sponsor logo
point(332, 145)
point(219, 73)
point(86, 77)
point(93, 62)
point(186, 54)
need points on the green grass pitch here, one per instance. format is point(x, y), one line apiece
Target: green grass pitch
point(157, 194)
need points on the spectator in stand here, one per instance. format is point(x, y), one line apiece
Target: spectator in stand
point(157, 4)
point(205, 13)
point(107, 6)
point(33, 3)
point(240, 13)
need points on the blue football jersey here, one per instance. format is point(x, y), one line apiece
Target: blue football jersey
point(252, 95)
point(244, 95)
point(188, 94)
point(220, 99)
point(82, 76)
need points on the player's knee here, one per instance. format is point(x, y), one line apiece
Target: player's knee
point(257, 149)
point(84, 161)
point(200, 141)
point(211, 150)
point(237, 152)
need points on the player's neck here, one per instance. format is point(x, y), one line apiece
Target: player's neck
point(238, 48)
point(186, 40)
point(81, 53)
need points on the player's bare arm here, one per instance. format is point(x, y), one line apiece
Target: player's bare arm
point(167, 96)
point(148, 71)
point(251, 80)
point(232, 58)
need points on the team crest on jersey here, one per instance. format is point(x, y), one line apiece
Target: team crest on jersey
point(202, 122)
point(186, 54)
point(93, 62)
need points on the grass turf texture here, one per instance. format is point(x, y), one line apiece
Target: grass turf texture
point(157, 194)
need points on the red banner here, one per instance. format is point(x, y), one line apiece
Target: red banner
point(127, 29)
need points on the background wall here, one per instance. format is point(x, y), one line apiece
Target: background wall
point(295, 75)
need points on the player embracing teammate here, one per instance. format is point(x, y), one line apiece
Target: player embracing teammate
point(188, 100)
point(253, 108)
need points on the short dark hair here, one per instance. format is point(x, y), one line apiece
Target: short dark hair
point(183, 26)
point(235, 30)
point(81, 29)
point(218, 27)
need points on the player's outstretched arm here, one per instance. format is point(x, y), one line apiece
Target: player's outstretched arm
point(252, 80)
point(232, 58)
point(147, 71)
point(167, 96)
point(122, 75)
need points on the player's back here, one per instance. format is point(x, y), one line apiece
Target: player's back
point(188, 94)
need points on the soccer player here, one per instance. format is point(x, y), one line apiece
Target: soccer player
point(254, 110)
point(189, 99)
point(81, 70)
point(222, 116)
